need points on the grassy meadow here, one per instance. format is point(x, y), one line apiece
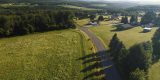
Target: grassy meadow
point(52, 55)
point(76, 7)
point(154, 72)
point(129, 37)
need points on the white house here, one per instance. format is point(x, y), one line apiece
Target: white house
point(147, 29)
point(95, 23)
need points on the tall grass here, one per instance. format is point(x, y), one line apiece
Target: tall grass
point(45, 56)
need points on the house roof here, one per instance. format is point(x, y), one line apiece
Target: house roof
point(126, 26)
point(146, 28)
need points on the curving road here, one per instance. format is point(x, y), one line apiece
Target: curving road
point(110, 70)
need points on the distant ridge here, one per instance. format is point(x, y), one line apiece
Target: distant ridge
point(10, 1)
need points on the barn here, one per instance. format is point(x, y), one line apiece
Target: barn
point(147, 29)
point(124, 26)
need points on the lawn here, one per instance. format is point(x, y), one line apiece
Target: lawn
point(154, 72)
point(129, 37)
point(54, 55)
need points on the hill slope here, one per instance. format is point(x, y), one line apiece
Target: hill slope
point(45, 56)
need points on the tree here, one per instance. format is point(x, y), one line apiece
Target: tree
point(137, 75)
point(117, 49)
point(113, 44)
point(4, 25)
point(133, 20)
point(149, 17)
point(156, 45)
point(92, 17)
point(25, 23)
point(119, 53)
point(140, 56)
point(157, 21)
point(124, 20)
point(100, 18)
point(81, 15)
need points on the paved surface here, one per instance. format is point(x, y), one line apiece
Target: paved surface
point(110, 70)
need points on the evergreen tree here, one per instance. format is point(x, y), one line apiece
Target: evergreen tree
point(124, 20)
point(113, 44)
point(156, 45)
point(140, 56)
point(100, 18)
point(149, 17)
point(137, 75)
point(133, 20)
point(117, 49)
point(157, 21)
point(92, 17)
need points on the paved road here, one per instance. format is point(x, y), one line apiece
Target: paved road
point(110, 70)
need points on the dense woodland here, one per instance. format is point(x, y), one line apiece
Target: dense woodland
point(20, 24)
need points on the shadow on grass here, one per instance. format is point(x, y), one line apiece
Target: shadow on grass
point(94, 67)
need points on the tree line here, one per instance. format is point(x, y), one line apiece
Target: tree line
point(132, 63)
point(149, 17)
point(11, 25)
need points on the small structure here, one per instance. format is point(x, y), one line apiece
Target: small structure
point(124, 26)
point(93, 23)
point(146, 29)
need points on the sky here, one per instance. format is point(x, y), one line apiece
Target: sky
point(140, 1)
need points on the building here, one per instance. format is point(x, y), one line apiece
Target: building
point(146, 29)
point(93, 23)
point(124, 26)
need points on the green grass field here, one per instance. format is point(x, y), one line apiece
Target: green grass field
point(129, 37)
point(77, 7)
point(14, 5)
point(99, 5)
point(52, 55)
point(154, 72)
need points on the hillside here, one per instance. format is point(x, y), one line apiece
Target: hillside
point(52, 56)
point(77, 3)
point(145, 8)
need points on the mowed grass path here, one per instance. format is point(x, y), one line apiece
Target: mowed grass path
point(43, 56)
point(129, 37)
